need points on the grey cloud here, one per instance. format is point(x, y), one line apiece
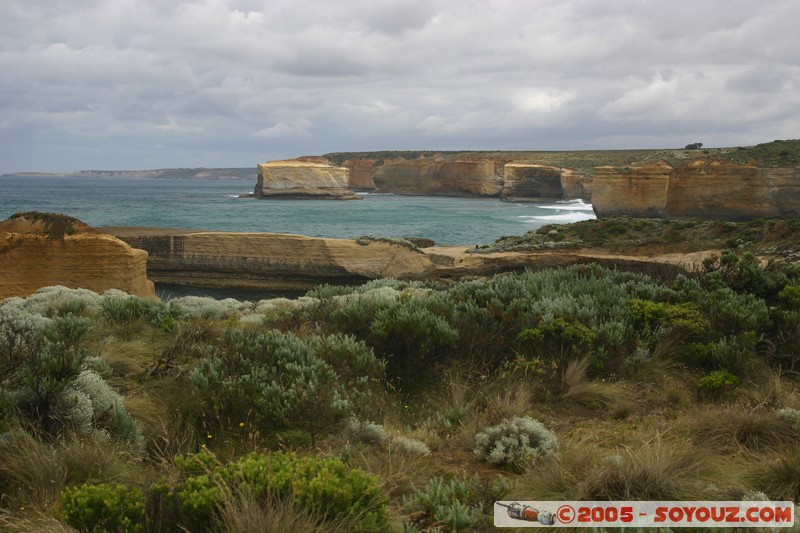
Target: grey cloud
point(763, 79)
point(124, 83)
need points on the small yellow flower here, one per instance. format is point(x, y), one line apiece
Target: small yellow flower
point(209, 436)
point(241, 424)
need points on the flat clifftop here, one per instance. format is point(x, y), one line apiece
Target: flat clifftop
point(272, 260)
point(778, 153)
point(302, 179)
point(294, 262)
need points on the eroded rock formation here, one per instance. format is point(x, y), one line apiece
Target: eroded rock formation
point(703, 188)
point(490, 176)
point(437, 177)
point(526, 181)
point(302, 179)
point(39, 250)
point(271, 261)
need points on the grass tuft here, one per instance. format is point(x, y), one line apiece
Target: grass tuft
point(779, 477)
point(733, 428)
point(657, 469)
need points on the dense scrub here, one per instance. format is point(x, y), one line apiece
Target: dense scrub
point(353, 407)
point(777, 238)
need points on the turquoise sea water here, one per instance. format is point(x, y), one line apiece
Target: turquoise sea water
point(212, 205)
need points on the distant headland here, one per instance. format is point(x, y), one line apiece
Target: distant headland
point(734, 183)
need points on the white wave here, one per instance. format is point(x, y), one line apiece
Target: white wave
point(375, 194)
point(570, 205)
point(566, 218)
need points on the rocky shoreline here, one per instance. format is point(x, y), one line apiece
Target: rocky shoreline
point(270, 261)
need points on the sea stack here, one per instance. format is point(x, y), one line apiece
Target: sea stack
point(300, 179)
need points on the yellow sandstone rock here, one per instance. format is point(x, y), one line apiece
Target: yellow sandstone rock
point(703, 188)
point(38, 252)
point(302, 179)
point(271, 260)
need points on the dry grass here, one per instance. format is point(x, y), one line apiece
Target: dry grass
point(656, 469)
point(398, 469)
point(169, 436)
point(732, 428)
point(30, 473)
point(34, 472)
point(245, 513)
point(769, 390)
point(30, 521)
point(576, 387)
point(510, 397)
point(779, 476)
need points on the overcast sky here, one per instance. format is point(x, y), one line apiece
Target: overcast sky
point(136, 84)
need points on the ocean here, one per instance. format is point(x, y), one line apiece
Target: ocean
point(214, 205)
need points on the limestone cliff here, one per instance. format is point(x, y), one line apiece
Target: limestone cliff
point(437, 177)
point(703, 188)
point(302, 179)
point(474, 175)
point(271, 261)
point(361, 173)
point(633, 191)
point(38, 250)
point(526, 181)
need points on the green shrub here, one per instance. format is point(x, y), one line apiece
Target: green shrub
point(717, 382)
point(277, 380)
point(365, 431)
point(322, 485)
point(732, 354)
point(515, 441)
point(99, 508)
point(455, 504)
point(205, 307)
point(648, 316)
point(731, 313)
point(121, 308)
point(790, 296)
point(410, 445)
point(745, 274)
point(46, 382)
point(558, 340)
point(57, 301)
point(413, 339)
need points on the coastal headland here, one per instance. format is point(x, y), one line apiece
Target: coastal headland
point(42, 249)
point(292, 262)
point(722, 183)
point(736, 184)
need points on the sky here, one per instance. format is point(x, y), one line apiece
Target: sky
point(141, 84)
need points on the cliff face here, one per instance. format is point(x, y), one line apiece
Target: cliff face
point(273, 261)
point(473, 176)
point(300, 179)
point(703, 188)
point(525, 181)
point(432, 177)
point(728, 190)
point(31, 259)
point(633, 191)
point(361, 172)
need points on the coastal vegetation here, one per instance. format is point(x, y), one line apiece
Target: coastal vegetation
point(779, 239)
point(359, 408)
point(777, 153)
